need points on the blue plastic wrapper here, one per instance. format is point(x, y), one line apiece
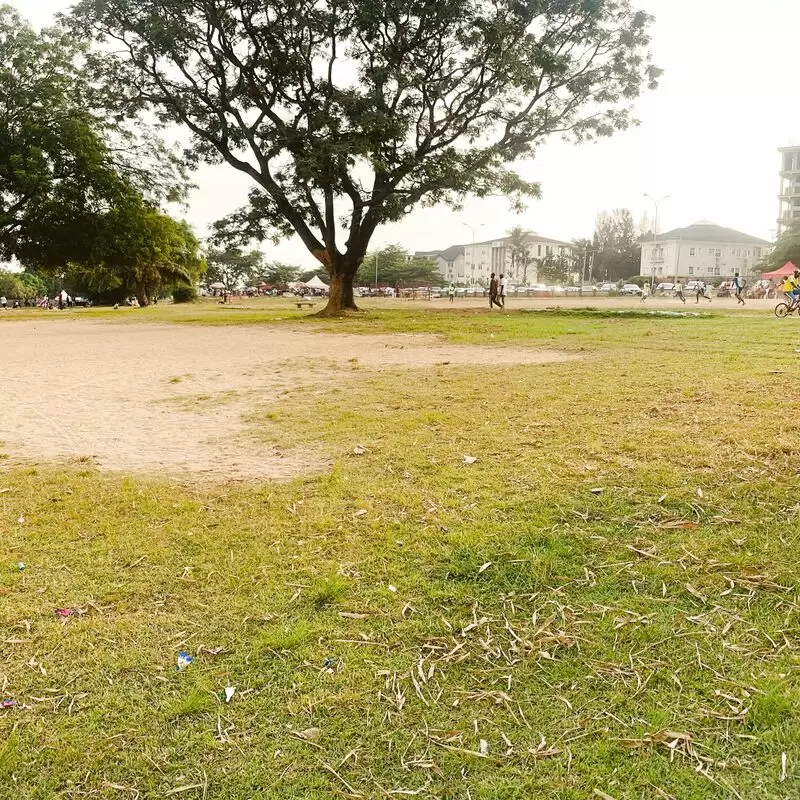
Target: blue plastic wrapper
point(184, 659)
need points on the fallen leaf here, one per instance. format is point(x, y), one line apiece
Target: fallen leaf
point(469, 460)
point(230, 691)
point(353, 615)
point(680, 523)
point(360, 513)
point(694, 593)
point(603, 795)
point(783, 767)
point(358, 450)
point(597, 490)
point(392, 588)
point(699, 492)
point(484, 567)
point(662, 498)
point(483, 747)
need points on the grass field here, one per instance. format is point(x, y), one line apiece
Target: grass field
point(599, 601)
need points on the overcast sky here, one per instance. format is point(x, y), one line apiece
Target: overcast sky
point(708, 137)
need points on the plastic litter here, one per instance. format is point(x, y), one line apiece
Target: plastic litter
point(483, 748)
point(64, 612)
point(328, 662)
point(184, 660)
point(20, 565)
point(8, 703)
point(230, 691)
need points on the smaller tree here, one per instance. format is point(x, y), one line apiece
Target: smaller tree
point(521, 257)
point(786, 249)
point(554, 268)
point(278, 274)
point(233, 268)
point(396, 267)
point(616, 245)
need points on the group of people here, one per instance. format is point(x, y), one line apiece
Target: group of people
point(701, 290)
point(497, 291)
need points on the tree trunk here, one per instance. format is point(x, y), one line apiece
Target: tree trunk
point(340, 298)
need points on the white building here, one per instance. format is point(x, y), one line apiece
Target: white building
point(473, 264)
point(450, 262)
point(789, 196)
point(703, 250)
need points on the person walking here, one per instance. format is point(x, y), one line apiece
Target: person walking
point(645, 293)
point(503, 287)
point(494, 288)
point(679, 292)
point(738, 285)
point(451, 293)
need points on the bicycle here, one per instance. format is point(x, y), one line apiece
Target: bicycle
point(785, 309)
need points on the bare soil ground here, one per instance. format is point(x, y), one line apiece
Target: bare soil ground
point(165, 398)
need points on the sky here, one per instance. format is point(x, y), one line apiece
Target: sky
point(708, 138)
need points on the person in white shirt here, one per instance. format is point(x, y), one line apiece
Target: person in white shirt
point(738, 287)
point(679, 292)
point(503, 287)
point(3, 303)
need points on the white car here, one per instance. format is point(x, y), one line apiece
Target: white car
point(631, 288)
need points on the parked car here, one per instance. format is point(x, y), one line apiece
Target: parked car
point(571, 289)
point(665, 287)
point(84, 302)
point(631, 288)
point(608, 287)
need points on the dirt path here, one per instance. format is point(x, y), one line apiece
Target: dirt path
point(166, 398)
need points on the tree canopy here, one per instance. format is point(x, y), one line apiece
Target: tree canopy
point(786, 249)
point(346, 114)
point(64, 162)
point(616, 246)
point(233, 267)
point(146, 253)
point(397, 267)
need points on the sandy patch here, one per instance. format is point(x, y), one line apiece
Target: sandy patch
point(167, 398)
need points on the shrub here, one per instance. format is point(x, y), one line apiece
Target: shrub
point(184, 294)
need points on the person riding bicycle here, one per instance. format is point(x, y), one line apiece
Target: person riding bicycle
point(791, 288)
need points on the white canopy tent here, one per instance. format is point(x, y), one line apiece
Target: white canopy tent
point(316, 283)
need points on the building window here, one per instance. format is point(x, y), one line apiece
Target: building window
point(691, 270)
point(691, 251)
point(548, 250)
point(538, 249)
point(756, 252)
point(716, 270)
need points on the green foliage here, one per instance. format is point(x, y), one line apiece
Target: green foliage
point(348, 114)
point(233, 267)
point(522, 259)
point(396, 267)
point(617, 247)
point(278, 274)
point(184, 294)
point(144, 253)
point(786, 249)
point(64, 162)
point(554, 269)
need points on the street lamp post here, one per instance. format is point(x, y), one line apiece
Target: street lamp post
point(657, 204)
point(472, 252)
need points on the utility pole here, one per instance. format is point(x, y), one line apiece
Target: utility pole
point(657, 204)
point(472, 251)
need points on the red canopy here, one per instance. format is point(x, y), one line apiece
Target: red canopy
point(784, 272)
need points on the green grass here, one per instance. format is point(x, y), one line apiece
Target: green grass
point(382, 619)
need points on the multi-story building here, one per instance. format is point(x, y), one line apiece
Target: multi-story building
point(703, 250)
point(474, 263)
point(789, 196)
point(450, 262)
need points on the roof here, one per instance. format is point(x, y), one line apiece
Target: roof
point(450, 254)
point(708, 232)
point(529, 237)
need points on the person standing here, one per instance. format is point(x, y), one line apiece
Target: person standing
point(3, 302)
point(679, 292)
point(738, 286)
point(503, 288)
point(494, 288)
point(451, 293)
point(645, 293)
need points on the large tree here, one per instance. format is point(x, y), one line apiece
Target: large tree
point(64, 160)
point(346, 114)
point(145, 253)
point(616, 246)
